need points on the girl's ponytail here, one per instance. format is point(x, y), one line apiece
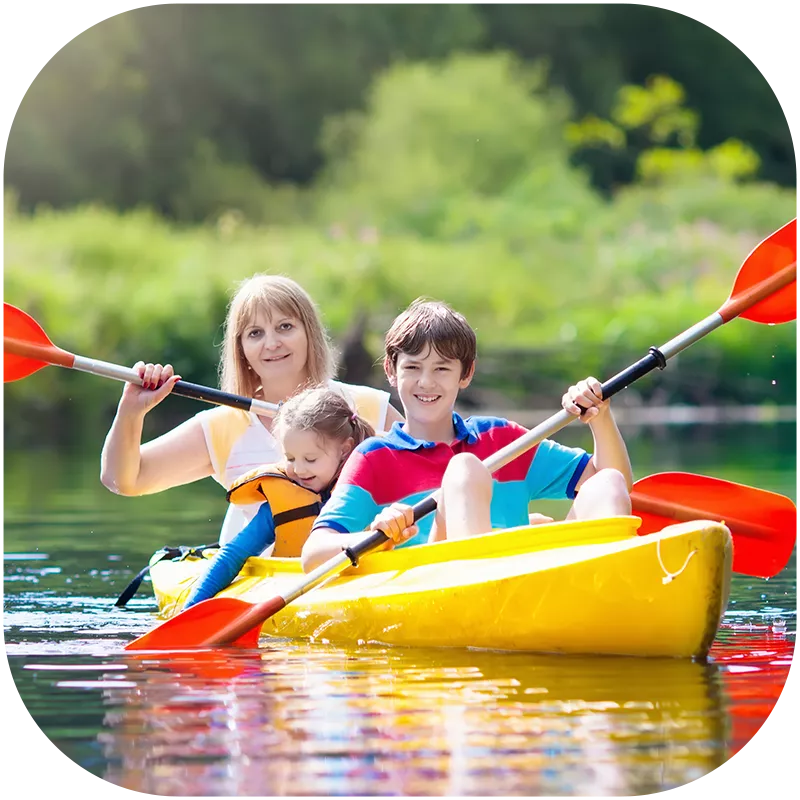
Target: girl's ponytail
point(361, 429)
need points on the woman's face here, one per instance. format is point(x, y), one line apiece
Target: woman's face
point(276, 347)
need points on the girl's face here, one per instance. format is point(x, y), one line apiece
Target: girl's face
point(312, 460)
point(276, 347)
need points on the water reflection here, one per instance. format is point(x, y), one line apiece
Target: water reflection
point(755, 659)
point(313, 720)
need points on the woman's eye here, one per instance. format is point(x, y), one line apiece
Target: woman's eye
point(285, 326)
point(255, 333)
point(311, 461)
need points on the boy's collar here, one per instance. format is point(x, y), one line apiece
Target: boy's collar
point(402, 440)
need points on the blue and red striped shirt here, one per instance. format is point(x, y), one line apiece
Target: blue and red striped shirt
point(398, 468)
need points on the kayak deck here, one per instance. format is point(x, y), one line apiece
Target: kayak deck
point(591, 587)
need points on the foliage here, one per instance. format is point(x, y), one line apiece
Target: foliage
point(164, 105)
point(454, 150)
point(124, 287)
point(455, 182)
point(652, 120)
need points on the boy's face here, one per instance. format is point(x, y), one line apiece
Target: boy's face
point(428, 385)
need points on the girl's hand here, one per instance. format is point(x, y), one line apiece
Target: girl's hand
point(157, 383)
point(586, 394)
point(538, 519)
point(397, 522)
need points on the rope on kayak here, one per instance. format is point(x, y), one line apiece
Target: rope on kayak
point(175, 553)
point(670, 576)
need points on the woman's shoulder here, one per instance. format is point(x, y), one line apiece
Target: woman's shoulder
point(356, 389)
point(223, 418)
point(369, 402)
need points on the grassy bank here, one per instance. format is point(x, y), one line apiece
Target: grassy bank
point(556, 306)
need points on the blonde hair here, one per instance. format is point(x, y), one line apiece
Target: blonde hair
point(273, 293)
point(323, 411)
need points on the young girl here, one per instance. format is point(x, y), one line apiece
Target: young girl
point(317, 431)
point(274, 346)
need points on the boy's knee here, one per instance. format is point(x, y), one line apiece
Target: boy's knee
point(611, 480)
point(466, 471)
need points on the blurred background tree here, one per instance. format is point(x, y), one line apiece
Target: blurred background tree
point(579, 180)
point(152, 105)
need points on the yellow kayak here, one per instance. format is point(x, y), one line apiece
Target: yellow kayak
point(566, 587)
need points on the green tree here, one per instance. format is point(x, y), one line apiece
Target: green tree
point(444, 150)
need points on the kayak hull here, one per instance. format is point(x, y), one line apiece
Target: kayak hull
point(568, 587)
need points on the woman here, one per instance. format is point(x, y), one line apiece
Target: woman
point(274, 346)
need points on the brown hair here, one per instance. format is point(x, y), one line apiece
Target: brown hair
point(323, 411)
point(274, 293)
point(430, 323)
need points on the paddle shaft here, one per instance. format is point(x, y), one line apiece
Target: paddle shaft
point(656, 358)
point(55, 355)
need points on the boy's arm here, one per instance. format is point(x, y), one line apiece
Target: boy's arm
point(345, 516)
point(396, 521)
point(325, 543)
point(610, 451)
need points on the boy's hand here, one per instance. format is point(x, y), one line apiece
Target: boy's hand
point(586, 394)
point(397, 522)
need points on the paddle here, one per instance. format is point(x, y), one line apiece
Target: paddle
point(764, 291)
point(763, 524)
point(27, 348)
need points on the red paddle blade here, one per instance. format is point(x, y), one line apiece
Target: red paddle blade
point(194, 626)
point(763, 524)
point(26, 347)
point(774, 254)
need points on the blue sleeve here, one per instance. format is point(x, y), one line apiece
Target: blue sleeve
point(555, 471)
point(225, 566)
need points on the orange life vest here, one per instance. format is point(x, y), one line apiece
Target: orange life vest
point(294, 508)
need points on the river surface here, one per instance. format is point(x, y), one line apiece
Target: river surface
point(296, 718)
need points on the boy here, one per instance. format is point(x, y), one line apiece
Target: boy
point(430, 356)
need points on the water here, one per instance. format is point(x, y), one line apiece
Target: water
point(310, 719)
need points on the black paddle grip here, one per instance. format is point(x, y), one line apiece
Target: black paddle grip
point(196, 392)
point(653, 360)
point(421, 509)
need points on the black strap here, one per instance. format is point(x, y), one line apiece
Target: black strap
point(294, 514)
point(173, 553)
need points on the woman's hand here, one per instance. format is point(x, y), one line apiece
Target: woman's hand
point(157, 383)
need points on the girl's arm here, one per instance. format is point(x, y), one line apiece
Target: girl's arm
point(226, 565)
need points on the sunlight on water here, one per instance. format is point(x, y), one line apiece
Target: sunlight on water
point(298, 718)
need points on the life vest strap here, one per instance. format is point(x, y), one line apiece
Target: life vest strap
point(293, 514)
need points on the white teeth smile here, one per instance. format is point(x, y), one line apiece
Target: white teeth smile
point(427, 399)
point(277, 358)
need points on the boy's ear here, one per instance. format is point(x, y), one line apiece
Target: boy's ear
point(389, 370)
point(468, 380)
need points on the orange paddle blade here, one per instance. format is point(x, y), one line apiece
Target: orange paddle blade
point(775, 259)
point(26, 347)
point(194, 626)
point(763, 524)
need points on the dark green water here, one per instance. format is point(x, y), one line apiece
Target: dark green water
point(303, 719)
